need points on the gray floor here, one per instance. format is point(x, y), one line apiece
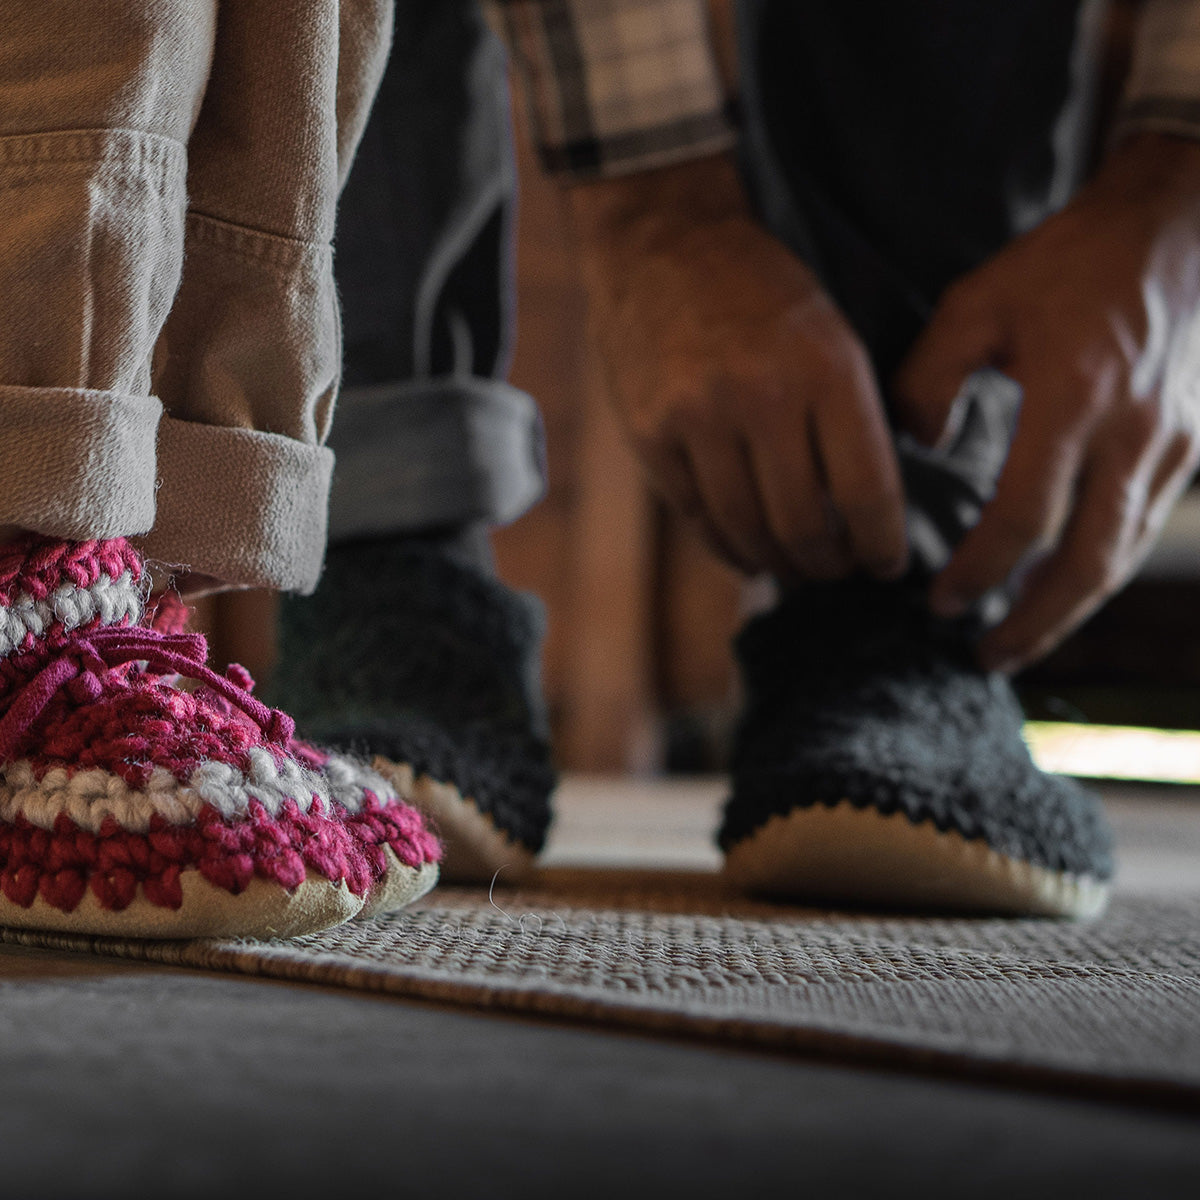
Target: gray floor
point(120, 1079)
point(129, 1080)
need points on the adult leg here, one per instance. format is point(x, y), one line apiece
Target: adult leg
point(439, 678)
point(893, 147)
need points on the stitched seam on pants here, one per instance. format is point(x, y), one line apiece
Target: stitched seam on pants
point(242, 241)
point(130, 146)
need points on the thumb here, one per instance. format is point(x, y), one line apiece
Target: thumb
point(964, 334)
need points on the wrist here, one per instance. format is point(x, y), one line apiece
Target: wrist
point(1151, 167)
point(644, 206)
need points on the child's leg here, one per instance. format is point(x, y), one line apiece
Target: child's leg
point(248, 364)
point(128, 804)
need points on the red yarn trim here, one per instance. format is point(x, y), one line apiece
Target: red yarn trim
point(166, 612)
point(61, 865)
point(38, 565)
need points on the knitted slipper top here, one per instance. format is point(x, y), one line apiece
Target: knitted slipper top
point(73, 691)
point(420, 658)
point(855, 692)
point(115, 781)
point(51, 587)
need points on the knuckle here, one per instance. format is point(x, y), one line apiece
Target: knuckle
point(683, 413)
point(825, 358)
point(871, 516)
point(834, 352)
point(807, 532)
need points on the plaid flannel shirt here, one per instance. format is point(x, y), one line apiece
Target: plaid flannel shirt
point(617, 85)
point(1163, 90)
point(613, 86)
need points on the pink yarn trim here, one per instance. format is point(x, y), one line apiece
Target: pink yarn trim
point(86, 658)
point(37, 566)
point(166, 612)
point(308, 755)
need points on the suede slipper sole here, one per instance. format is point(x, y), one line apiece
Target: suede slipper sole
point(474, 848)
point(399, 887)
point(859, 855)
point(262, 910)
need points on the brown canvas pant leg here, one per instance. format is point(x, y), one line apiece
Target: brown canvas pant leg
point(97, 102)
point(248, 364)
point(136, 135)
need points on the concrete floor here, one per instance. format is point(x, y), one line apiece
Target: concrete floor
point(121, 1079)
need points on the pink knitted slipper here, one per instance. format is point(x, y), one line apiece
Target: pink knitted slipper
point(129, 806)
point(393, 837)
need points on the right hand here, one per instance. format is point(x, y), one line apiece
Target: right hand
point(745, 392)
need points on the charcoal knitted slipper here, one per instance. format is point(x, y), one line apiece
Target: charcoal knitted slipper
point(875, 763)
point(426, 666)
point(129, 806)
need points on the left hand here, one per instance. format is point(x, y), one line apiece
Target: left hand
point(1096, 314)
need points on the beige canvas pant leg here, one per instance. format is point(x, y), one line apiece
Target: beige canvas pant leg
point(169, 339)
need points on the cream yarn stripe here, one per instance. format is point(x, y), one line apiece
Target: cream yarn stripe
point(111, 600)
point(89, 798)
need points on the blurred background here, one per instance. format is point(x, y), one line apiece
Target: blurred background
point(638, 670)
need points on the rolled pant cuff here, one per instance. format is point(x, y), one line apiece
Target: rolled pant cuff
point(434, 453)
point(76, 463)
point(241, 506)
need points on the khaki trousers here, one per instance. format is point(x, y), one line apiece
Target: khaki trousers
point(169, 332)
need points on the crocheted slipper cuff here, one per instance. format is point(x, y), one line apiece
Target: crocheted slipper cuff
point(131, 807)
point(877, 764)
point(429, 667)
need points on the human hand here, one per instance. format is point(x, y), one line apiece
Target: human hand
point(1096, 314)
point(744, 391)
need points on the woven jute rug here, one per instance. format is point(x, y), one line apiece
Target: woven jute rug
point(1112, 1005)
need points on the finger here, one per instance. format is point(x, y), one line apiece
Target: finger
point(964, 334)
point(1071, 585)
point(670, 475)
point(798, 512)
point(861, 472)
point(729, 499)
point(1025, 517)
